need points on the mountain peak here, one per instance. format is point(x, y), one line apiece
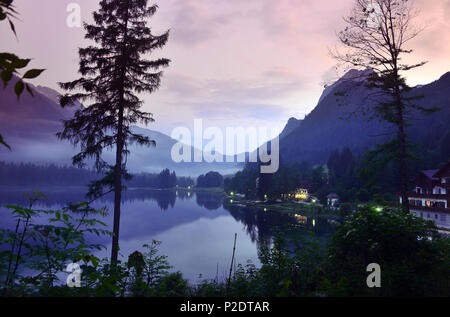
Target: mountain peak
point(357, 74)
point(293, 120)
point(351, 75)
point(292, 124)
point(445, 77)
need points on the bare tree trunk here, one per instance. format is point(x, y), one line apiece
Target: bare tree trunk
point(403, 163)
point(402, 143)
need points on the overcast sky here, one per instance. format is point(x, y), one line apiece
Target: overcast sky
point(234, 62)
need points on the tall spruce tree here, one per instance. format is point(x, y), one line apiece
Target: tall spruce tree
point(375, 39)
point(113, 72)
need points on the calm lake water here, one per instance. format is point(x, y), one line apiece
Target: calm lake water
point(196, 229)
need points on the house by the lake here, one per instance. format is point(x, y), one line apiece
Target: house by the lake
point(431, 196)
point(332, 200)
point(300, 194)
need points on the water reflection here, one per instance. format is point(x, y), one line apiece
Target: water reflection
point(197, 229)
point(261, 224)
point(210, 201)
point(165, 199)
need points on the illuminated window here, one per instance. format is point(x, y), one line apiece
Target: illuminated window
point(301, 194)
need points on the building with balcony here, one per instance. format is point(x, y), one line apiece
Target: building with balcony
point(431, 196)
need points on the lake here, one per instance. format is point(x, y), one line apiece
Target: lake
point(195, 228)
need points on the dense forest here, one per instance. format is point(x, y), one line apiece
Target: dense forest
point(210, 180)
point(355, 178)
point(24, 174)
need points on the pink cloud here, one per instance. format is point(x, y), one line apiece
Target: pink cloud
point(241, 52)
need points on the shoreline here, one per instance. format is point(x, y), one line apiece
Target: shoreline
point(284, 207)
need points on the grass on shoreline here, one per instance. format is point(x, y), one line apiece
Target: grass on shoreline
point(285, 206)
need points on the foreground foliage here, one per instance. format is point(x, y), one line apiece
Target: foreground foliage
point(414, 257)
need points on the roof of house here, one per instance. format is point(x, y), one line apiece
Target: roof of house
point(333, 195)
point(444, 171)
point(430, 173)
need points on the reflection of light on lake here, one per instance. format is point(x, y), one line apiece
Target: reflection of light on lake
point(301, 219)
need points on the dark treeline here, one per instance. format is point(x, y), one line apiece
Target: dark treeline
point(288, 178)
point(28, 174)
point(210, 180)
point(353, 177)
point(24, 174)
point(165, 179)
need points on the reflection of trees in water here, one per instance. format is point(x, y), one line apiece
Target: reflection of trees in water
point(260, 225)
point(210, 201)
point(63, 196)
point(55, 196)
point(165, 199)
point(184, 195)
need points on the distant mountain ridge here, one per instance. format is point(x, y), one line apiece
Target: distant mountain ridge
point(324, 129)
point(29, 125)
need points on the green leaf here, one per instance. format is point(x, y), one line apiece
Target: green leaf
point(18, 88)
point(33, 73)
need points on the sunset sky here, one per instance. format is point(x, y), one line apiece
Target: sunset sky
point(234, 62)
